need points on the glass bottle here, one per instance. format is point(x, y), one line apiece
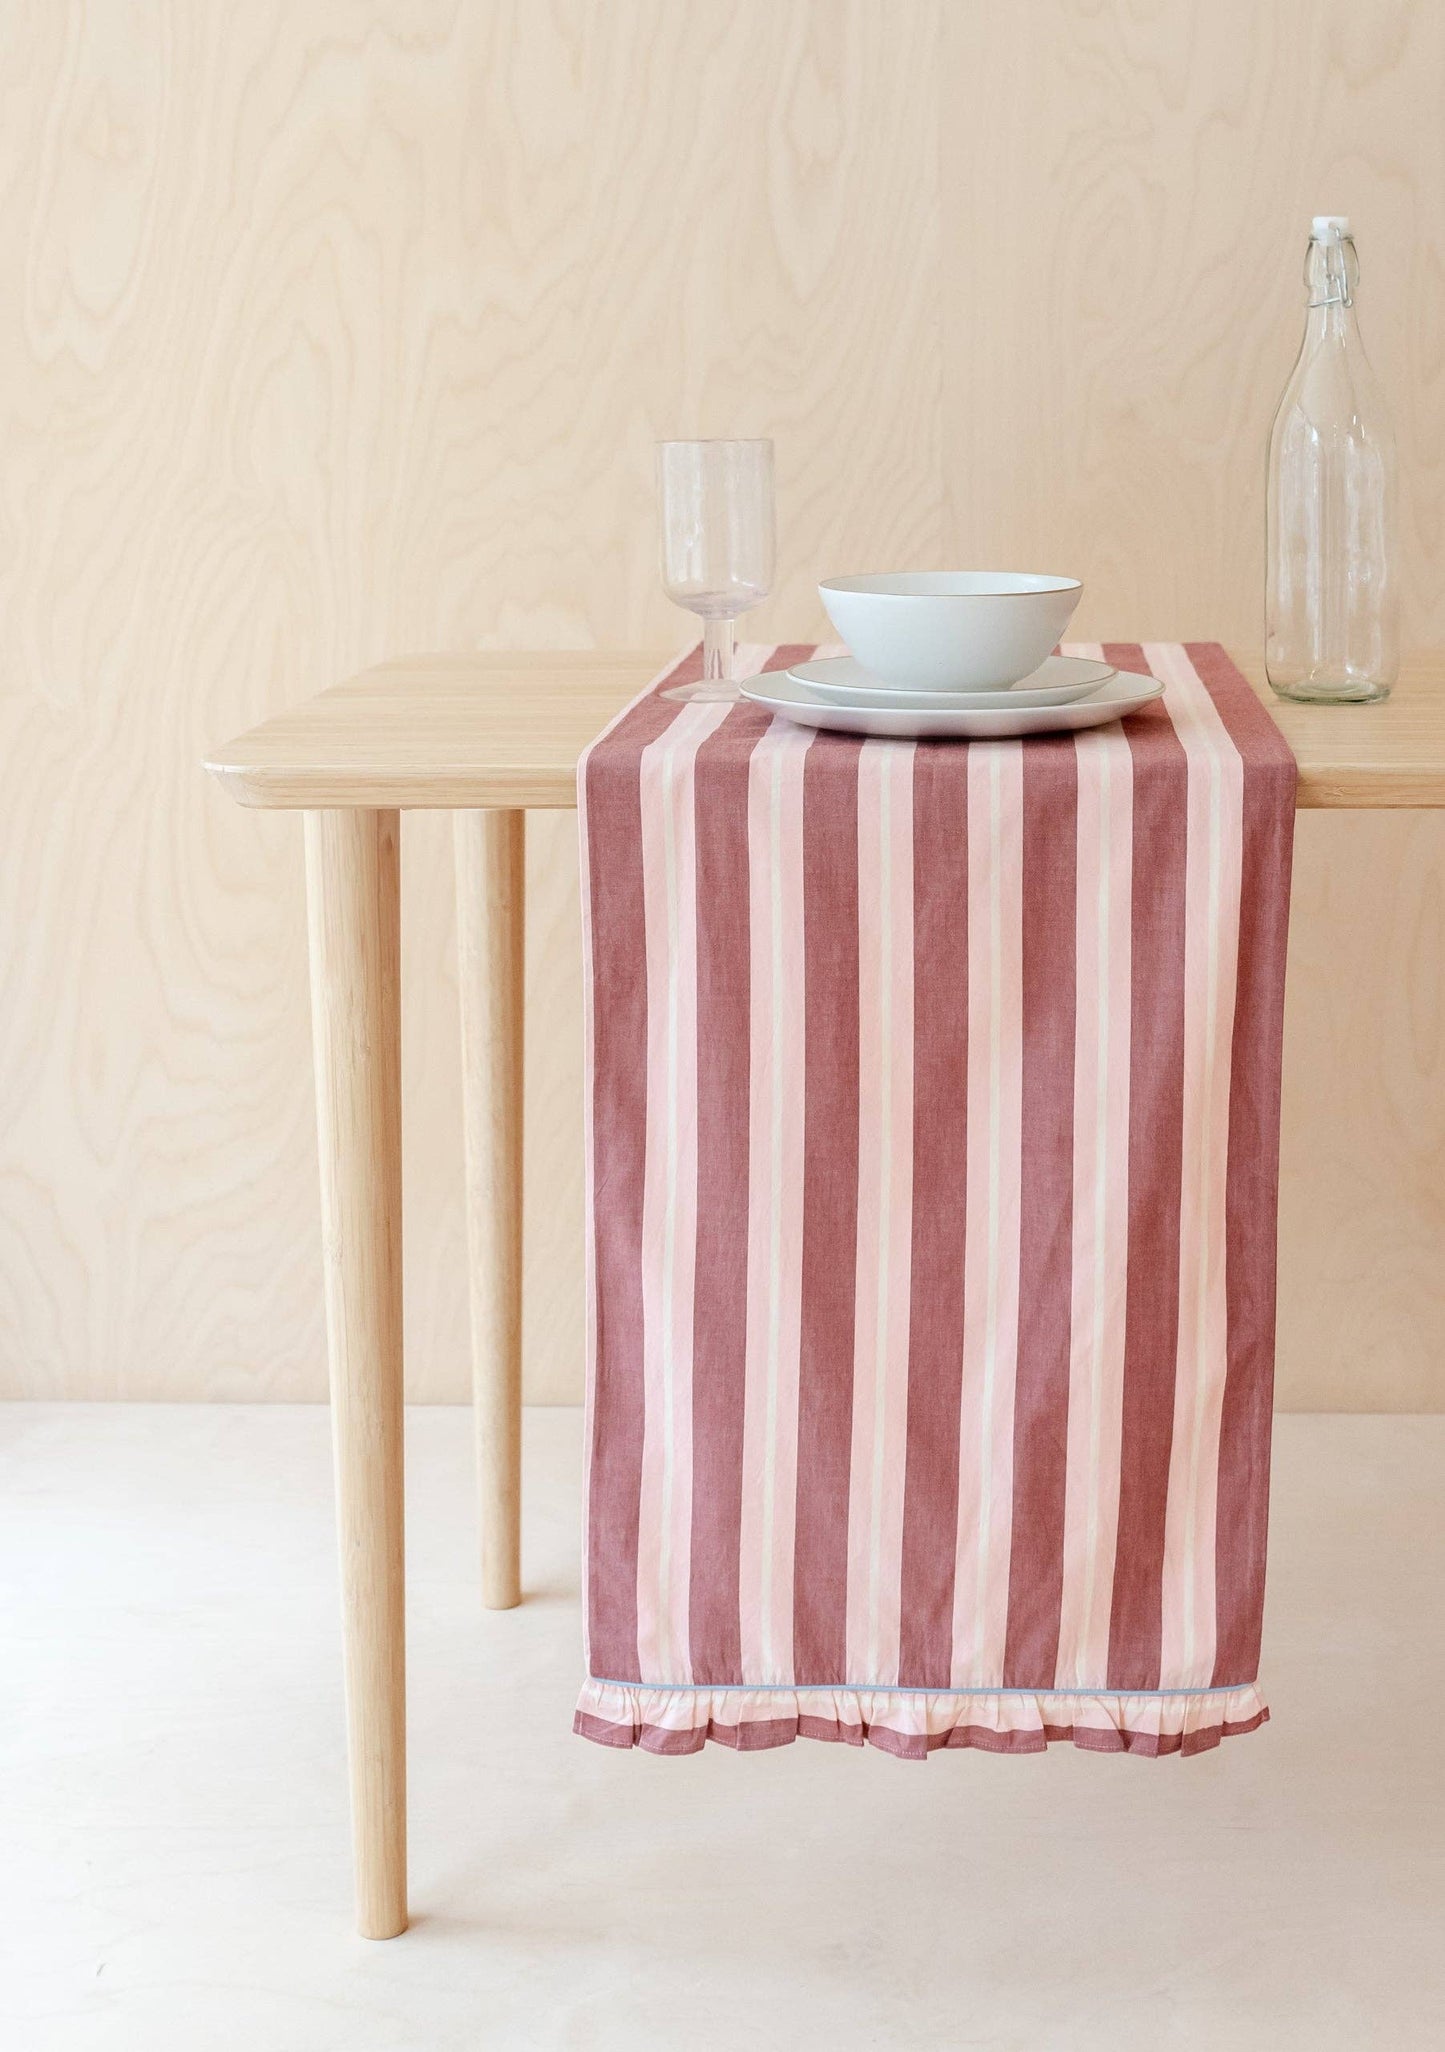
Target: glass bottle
point(1330, 599)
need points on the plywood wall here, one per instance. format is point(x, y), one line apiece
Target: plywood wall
point(336, 330)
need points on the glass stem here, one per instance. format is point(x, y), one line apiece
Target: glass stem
point(717, 651)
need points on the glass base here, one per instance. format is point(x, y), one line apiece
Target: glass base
point(1359, 691)
point(710, 691)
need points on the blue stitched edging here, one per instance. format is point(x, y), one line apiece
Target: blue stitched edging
point(886, 1689)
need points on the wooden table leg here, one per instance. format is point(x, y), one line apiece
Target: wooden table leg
point(352, 877)
point(490, 893)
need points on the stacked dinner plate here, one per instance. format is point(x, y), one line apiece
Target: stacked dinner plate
point(951, 655)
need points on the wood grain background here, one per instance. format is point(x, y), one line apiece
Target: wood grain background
point(336, 330)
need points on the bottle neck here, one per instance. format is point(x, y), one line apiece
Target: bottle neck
point(1332, 271)
point(1331, 323)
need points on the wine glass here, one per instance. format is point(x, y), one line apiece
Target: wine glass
point(717, 544)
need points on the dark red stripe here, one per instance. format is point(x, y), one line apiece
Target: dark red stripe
point(1156, 1118)
point(830, 1209)
point(721, 1279)
point(1046, 1204)
point(940, 1138)
point(1252, 1192)
point(618, 1139)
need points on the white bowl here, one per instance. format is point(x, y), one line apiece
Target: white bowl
point(951, 630)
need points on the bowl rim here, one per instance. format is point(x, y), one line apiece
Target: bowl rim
point(873, 583)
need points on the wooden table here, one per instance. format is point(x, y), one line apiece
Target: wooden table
point(487, 738)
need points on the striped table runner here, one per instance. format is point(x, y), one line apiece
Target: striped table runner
point(933, 1117)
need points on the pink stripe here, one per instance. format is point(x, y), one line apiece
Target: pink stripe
point(775, 1217)
point(991, 1232)
point(669, 1203)
point(1101, 1204)
point(1211, 949)
point(885, 1209)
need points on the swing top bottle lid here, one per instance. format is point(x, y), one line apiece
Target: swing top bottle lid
point(1329, 227)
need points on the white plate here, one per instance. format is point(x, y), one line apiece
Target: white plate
point(780, 693)
point(844, 681)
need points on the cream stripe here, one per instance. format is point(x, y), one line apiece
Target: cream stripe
point(669, 1202)
point(991, 1231)
point(776, 1027)
point(589, 1195)
point(775, 1146)
point(1100, 1222)
point(870, 1310)
point(1212, 882)
point(885, 1207)
point(890, 1475)
point(883, 999)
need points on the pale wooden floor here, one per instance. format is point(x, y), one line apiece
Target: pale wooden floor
point(174, 1870)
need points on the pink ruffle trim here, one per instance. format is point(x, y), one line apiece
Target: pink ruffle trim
point(914, 1723)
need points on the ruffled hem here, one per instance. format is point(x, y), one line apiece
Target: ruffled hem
point(912, 1723)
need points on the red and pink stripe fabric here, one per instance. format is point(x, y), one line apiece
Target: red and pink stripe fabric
point(933, 1119)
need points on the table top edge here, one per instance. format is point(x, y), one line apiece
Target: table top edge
point(242, 769)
